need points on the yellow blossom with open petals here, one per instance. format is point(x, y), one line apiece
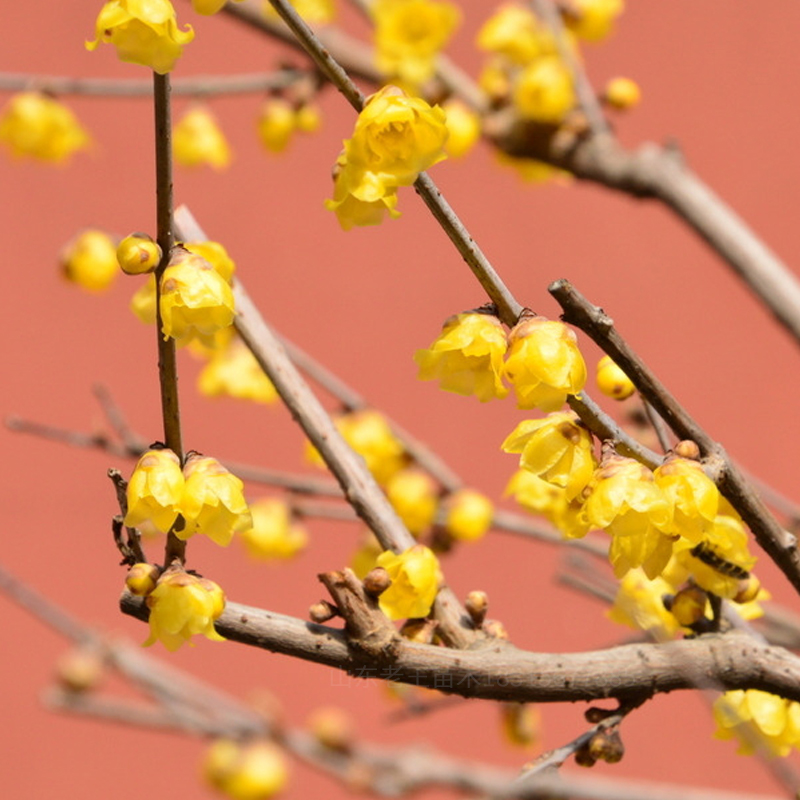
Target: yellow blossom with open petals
point(234, 372)
point(415, 578)
point(625, 501)
point(639, 604)
point(216, 255)
point(467, 356)
point(144, 32)
point(558, 449)
point(198, 140)
point(534, 494)
point(155, 490)
point(543, 91)
point(195, 300)
point(245, 770)
point(35, 125)
point(274, 534)
point(515, 32)
point(414, 495)
point(544, 364)
point(468, 515)
point(213, 502)
point(593, 20)
point(751, 714)
point(90, 260)
point(181, 606)
point(409, 34)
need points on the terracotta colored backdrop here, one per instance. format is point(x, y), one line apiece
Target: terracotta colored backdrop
point(718, 77)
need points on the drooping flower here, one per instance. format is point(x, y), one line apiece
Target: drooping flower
point(593, 20)
point(245, 770)
point(195, 300)
point(468, 515)
point(612, 381)
point(89, 260)
point(276, 124)
point(143, 301)
point(213, 501)
point(414, 495)
point(625, 501)
point(274, 534)
point(622, 93)
point(558, 449)
point(639, 604)
point(755, 716)
point(543, 91)
point(415, 578)
point(409, 34)
point(521, 723)
point(216, 255)
point(181, 606)
point(155, 490)
point(544, 364)
point(463, 127)
point(234, 372)
point(514, 32)
point(198, 140)
point(34, 125)
point(138, 254)
point(144, 32)
point(467, 356)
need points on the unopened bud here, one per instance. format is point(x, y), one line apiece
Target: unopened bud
point(477, 604)
point(138, 254)
point(606, 745)
point(142, 579)
point(583, 758)
point(688, 605)
point(495, 629)
point(332, 728)
point(419, 630)
point(687, 449)
point(322, 611)
point(748, 590)
point(80, 669)
point(376, 582)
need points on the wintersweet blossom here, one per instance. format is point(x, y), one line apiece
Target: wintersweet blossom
point(467, 356)
point(543, 91)
point(138, 254)
point(755, 716)
point(612, 381)
point(544, 364)
point(155, 490)
point(593, 20)
point(415, 578)
point(463, 127)
point(414, 495)
point(89, 260)
point(213, 502)
point(515, 32)
point(144, 32)
point(216, 255)
point(639, 604)
point(622, 93)
point(274, 535)
point(245, 770)
point(275, 124)
point(208, 7)
point(181, 606)
point(409, 34)
point(35, 125)
point(143, 301)
point(233, 371)
point(468, 515)
point(197, 140)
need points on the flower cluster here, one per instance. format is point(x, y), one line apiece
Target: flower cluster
point(409, 35)
point(35, 125)
point(204, 494)
point(542, 360)
point(395, 138)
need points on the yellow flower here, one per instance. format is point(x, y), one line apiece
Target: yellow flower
point(752, 714)
point(535, 494)
point(138, 254)
point(35, 125)
point(155, 490)
point(195, 300)
point(90, 260)
point(409, 34)
point(144, 32)
point(467, 356)
point(415, 578)
point(208, 7)
point(693, 494)
point(213, 502)
point(198, 140)
point(246, 770)
point(274, 534)
point(314, 12)
point(366, 555)
point(463, 128)
point(521, 724)
point(143, 302)
point(234, 372)
point(544, 364)
point(639, 605)
point(468, 515)
point(369, 434)
point(514, 31)
point(276, 123)
point(558, 449)
point(543, 91)
point(414, 495)
point(612, 381)
point(216, 255)
point(625, 501)
point(593, 19)
point(395, 138)
point(622, 93)
point(142, 579)
point(181, 606)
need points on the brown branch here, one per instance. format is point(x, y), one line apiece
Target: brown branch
point(778, 543)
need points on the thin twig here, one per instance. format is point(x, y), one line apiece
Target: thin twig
point(658, 426)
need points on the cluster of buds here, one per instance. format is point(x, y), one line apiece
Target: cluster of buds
point(207, 497)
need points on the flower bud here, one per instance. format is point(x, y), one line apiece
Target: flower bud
point(420, 631)
point(495, 629)
point(88, 261)
point(80, 669)
point(414, 495)
point(622, 93)
point(612, 381)
point(142, 579)
point(606, 745)
point(322, 611)
point(469, 515)
point(138, 254)
point(688, 605)
point(477, 604)
point(748, 590)
point(252, 770)
point(376, 582)
point(276, 124)
point(332, 728)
